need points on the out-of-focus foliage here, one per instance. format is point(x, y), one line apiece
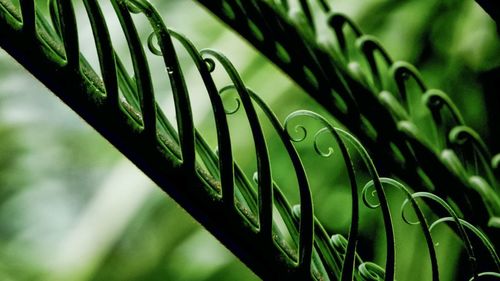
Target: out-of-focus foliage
point(72, 209)
point(451, 42)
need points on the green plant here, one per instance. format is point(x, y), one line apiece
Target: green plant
point(124, 110)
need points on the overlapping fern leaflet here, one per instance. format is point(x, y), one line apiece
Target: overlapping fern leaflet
point(210, 185)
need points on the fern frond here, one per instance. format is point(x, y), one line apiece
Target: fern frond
point(209, 184)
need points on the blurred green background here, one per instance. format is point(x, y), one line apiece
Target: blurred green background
point(73, 208)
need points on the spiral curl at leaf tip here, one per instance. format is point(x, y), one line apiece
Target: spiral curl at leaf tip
point(299, 129)
point(368, 44)
point(435, 100)
point(369, 271)
point(237, 100)
point(152, 40)
point(372, 194)
point(339, 242)
point(403, 71)
point(404, 217)
point(460, 135)
point(317, 147)
point(210, 64)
